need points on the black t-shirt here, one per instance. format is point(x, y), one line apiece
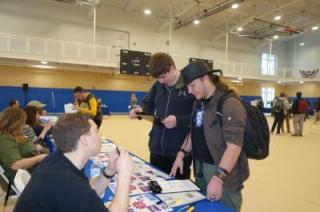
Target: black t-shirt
point(57, 185)
point(199, 146)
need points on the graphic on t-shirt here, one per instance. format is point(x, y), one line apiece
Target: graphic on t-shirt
point(198, 119)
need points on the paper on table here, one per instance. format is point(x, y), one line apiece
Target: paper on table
point(47, 119)
point(147, 203)
point(144, 203)
point(183, 198)
point(68, 108)
point(172, 186)
point(108, 147)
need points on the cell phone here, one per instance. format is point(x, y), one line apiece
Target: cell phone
point(157, 120)
point(149, 116)
point(155, 187)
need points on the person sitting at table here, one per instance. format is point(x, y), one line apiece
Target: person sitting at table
point(15, 151)
point(59, 184)
point(14, 103)
point(33, 130)
point(41, 108)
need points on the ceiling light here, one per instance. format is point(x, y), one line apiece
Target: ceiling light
point(239, 78)
point(301, 44)
point(301, 82)
point(275, 36)
point(235, 6)
point(236, 81)
point(239, 29)
point(43, 66)
point(44, 62)
point(277, 18)
point(147, 11)
point(196, 22)
point(315, 28)
point(279, 82)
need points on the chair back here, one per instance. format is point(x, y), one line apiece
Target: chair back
point(21, 179)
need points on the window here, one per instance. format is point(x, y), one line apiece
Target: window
point(268, 64)
point(267, 95)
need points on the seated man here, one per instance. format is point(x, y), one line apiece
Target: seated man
point(14, 103)
point(58, 183)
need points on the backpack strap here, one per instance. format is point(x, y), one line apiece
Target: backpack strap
point(222, 99)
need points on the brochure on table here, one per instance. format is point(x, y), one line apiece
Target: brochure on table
point(175, 192)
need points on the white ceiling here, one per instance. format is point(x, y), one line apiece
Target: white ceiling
point(297, 15)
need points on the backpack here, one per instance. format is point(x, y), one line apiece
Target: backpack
point(303, 106)
point(278, 106)
point(256, 134)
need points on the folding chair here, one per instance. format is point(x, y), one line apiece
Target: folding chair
point(21, 180)
point(9, 188)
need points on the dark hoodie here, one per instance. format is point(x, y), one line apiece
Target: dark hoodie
point(164, 101)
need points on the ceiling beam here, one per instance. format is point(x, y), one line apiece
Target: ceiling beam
point(251, 18)
point(129, 6)
point(206, 13)
point(183, 11)
point(167, 8)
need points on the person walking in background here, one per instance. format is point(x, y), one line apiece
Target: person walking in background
point(133, 101)
point(260, 104)
point(287, 114)
point(279, 113)
point(299, 109)
point(317, 111)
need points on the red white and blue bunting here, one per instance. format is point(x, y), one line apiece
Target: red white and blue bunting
point(309, 73)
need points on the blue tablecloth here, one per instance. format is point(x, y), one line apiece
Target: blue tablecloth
point(105, 110)
point(201, 206)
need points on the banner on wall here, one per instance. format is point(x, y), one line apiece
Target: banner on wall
point(309, 73)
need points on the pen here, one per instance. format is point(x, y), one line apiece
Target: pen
point(187, 208)
point(184, 208)
point(190, 209)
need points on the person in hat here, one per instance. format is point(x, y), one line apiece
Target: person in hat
point(86, 102)
point(36, 103)
point(220, 165)
point(34, 110)
point(173, 107)
point(39, 105)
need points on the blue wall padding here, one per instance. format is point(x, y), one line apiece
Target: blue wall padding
point(117, 101)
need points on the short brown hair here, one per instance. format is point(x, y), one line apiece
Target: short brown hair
point(68, 130)
point(160, 63)
point(12, 121)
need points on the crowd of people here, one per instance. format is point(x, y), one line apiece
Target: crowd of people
point(299, 108)
point(186, 131)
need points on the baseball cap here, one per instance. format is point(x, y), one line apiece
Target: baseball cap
point(36, 103)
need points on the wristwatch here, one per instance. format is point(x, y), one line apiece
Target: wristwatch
point(184, 151)
point(109, 177)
